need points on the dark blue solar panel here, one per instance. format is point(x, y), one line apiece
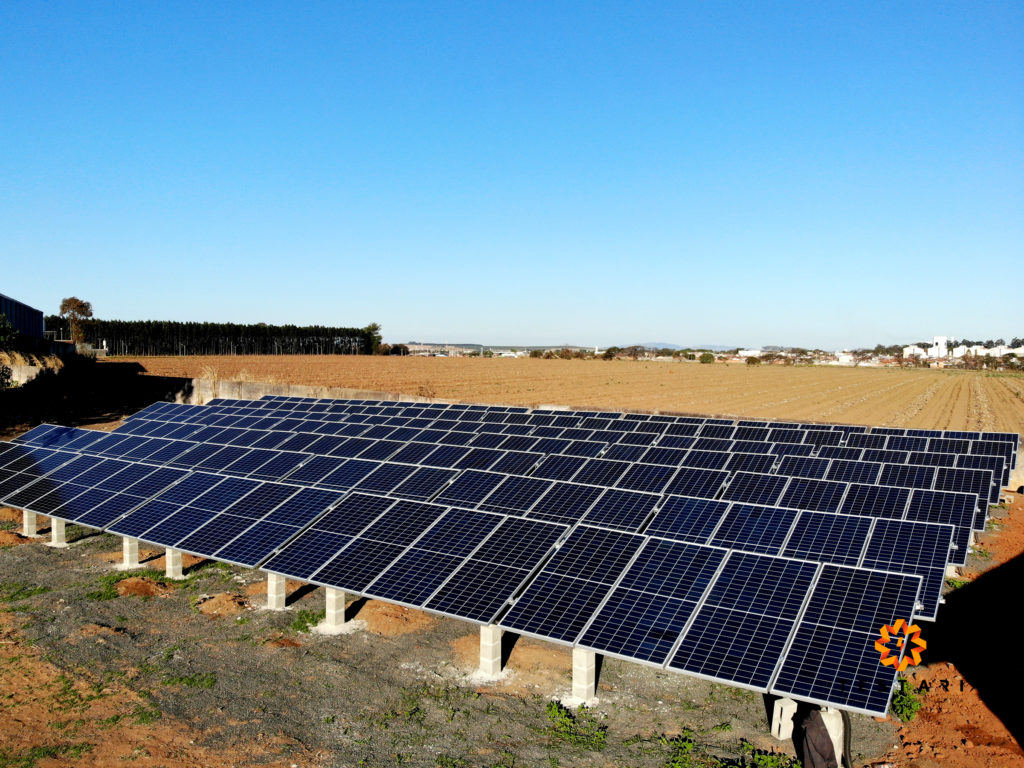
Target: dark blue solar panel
point(478, 591)
point(459, 532)
point(875, 501)
point(565, 502)
point(173, 529)
point(623, 510)
point(349, 474)
point(256, 544)
point(828, 537)
point(755, 489)
point(404, 522)
point(224, 494)
point(516, 494)
point(601, 472)
point(555, 607)
point(687, 519)
point(883, 456)
point(754, 528)
point(751, 462)
point(673, 569)
point(854, 471)
point(907, 476)
point(299, 508)
point(594, 554)
point(414, 576)
point(637, 625)
point(516, 462)
point(314, 470)
point(817, 495)
point(470, 488)
point(559, 467)
point(214, 535)
point(703, 483)
point(652, 478)
point(424, 483)
point(803, 466)
point(354, 514)
point(625, 452)
point(144, 518)
point(385, 478)
point(357, 565)
point(519, 543)
point(306, 554)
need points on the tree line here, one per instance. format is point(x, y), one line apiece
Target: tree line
point(168, 337)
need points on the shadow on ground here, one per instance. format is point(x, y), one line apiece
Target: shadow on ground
point(971, 632)
point(85, 392)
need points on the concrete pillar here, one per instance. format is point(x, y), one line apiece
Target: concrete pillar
point(490, 650)
point(584, 674)
point(57, 533)
point(275, 592)
point(28, 524)
point(782, 719)
point(172, 559)
point(130, 550)
point(334, 615)
point(833, 720)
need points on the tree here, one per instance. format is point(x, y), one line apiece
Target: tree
point(753, 361)
point(76, 310)
point(399, 349)
point(373, 329)
point(7, 337)
point(707, 357)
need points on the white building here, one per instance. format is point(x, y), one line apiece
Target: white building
point(749, 353)
point(914, 351)
point(939, 350)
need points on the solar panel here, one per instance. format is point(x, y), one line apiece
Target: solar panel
point(752, 488)
point(622, 510)
point(687, 519)
point(754, 528)
point(818, 495)
point(830, 538)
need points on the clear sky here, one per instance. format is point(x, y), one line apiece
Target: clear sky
point(748, 173)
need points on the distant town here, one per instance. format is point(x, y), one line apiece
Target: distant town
point(941, 352)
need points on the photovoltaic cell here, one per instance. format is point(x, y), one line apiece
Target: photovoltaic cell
point(752, 488)
point(754, 528)
point(828, 537)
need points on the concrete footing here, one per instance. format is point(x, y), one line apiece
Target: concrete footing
point(58, 537)
point(584, 676)
point(29, 525)
point(952, 571)
point(276, 593)
point(782, 719)
point(490, 650)
point(130, 554)
point(334, 614)
point(172, 564)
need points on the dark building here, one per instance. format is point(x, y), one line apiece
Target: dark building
point(26, 320)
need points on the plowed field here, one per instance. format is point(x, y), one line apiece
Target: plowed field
point(922, 398)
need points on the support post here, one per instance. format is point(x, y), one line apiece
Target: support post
point(130, 552)
point(490, 650)
point(28, 524)
point(334, 615)
point(584, 675)
point(276, 592)
point(783, 712)
point(58, 537)
point(172, 560)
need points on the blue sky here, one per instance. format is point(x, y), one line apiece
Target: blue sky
point(813, 174)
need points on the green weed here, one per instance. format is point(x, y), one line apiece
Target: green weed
point(581, 729)
point(762, 758)
point(198, 680)
point(107, 589)
point(31, 757)
point(305, 620)
point(15, 590)
point(905, 702)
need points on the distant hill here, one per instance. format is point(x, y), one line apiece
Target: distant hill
point(666, 345)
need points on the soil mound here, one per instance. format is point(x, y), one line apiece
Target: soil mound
point(10, 539)
point(224, 604)
point(139, 586)
point(393, 620)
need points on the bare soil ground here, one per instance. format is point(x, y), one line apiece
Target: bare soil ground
point(912, 397)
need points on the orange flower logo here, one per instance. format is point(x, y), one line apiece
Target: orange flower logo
point(911, 633)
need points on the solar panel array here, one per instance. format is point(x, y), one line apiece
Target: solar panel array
point(716, 548)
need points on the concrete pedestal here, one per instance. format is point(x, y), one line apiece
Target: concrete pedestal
point(130, 552)
point(276, 593)
point(782, 719)
point(58, 537)
point(584, 675)
point(28, 524)
point(172, 560)
point(490, 650)
point(334, 614)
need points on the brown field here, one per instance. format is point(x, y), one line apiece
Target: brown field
point(923, 398)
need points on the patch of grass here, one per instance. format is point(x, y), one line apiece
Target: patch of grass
point(31, 757)
point(957, 583)
point(146, 715)
point(13, 591)
point(581, 728)
point(305, 620)
point(981, 553)
point(763, 758)
point(905, 702)
point(447, 761)
point(198, 680)
point(722, 727)
point(685, 752)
